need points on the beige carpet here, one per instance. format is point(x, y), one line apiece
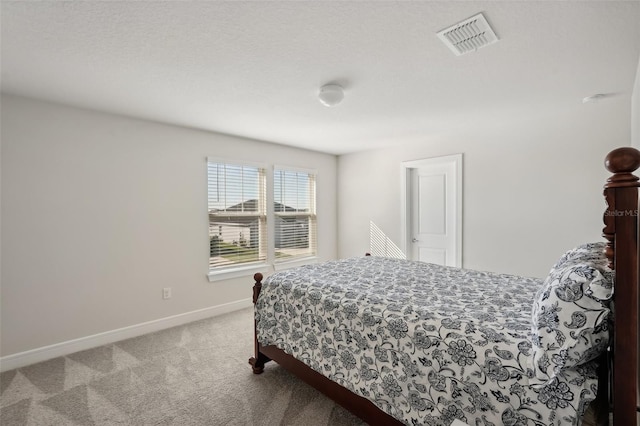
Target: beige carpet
point(196, 374)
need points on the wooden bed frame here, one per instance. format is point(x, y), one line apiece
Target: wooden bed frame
point(619, 375)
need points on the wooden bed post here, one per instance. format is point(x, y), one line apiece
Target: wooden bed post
point(258, 360)
point(621, 233)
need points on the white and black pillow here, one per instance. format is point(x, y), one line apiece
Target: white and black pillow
point(570, 315)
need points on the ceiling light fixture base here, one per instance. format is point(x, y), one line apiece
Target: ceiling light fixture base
point(331, 95)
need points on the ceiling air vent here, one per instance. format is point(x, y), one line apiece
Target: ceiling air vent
point(468, 35)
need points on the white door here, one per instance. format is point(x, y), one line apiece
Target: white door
point(435, 210)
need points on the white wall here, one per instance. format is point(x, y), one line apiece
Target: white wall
point(635, 111)
point(532, 189)
point(100, 212)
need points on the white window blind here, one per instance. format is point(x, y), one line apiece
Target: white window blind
point(237, 214)
point(294, 214)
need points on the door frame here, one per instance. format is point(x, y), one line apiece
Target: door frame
point(405, 200)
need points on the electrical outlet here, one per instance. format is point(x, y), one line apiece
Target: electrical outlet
point(166, 293)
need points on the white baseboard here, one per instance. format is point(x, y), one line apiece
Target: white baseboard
point(44, 353)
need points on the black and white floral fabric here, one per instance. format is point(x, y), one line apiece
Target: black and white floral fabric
point(570, 318)
point(428, 344)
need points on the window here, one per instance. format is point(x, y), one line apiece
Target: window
point(237, 214)
point(294, 214)
point(239, 218)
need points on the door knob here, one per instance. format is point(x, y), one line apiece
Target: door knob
point(415, 240)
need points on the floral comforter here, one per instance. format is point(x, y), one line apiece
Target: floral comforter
point(426, 343)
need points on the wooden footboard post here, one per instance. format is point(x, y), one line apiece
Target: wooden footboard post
point(258, 360)
point(621, 232)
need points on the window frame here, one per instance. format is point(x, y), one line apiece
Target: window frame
point(242, 269)
point(246, 269)
point(313, 215)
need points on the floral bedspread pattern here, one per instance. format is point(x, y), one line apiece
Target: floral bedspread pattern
point(426, 343)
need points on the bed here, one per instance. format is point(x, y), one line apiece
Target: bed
point(402, 342)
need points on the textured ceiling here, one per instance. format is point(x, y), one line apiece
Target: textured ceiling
point(254, 68)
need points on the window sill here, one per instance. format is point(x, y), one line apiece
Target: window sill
point(294, 263)
point(238, 272)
